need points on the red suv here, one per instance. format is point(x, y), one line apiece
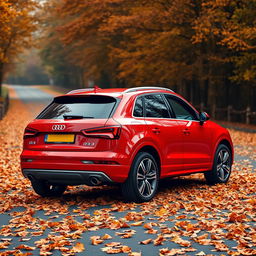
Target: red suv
point(133, 137)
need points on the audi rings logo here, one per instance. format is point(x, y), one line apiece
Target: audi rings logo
point(58, 127)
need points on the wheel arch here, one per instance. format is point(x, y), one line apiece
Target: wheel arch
point(227, 143)
point(153, 151)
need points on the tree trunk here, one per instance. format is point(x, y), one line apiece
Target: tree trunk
point(211, 92)
point(181, 88)
point(201, 77)
point(1, 76)
point(212, 98)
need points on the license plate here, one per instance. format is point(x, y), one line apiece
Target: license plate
point(60, 138)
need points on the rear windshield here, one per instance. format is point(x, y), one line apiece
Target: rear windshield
point(89, 106)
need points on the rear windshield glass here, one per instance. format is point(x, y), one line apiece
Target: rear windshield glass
point(89, 106)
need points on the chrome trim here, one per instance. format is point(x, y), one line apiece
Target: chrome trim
point(58, 127)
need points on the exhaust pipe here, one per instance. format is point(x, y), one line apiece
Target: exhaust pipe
point(95, 181)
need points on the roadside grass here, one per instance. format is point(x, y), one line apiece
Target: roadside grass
point(4, 91)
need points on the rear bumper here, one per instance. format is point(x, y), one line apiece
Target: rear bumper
point(57, 162)
point(68, 177)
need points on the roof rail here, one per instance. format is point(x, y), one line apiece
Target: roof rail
point(134, 89)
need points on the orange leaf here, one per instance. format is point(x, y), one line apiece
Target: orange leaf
point(148, 226)
point(96, 240)
point(112, 244)
point(79, 247)
point(159, 240)
point(146, 241)
point(139, 223)
point(25, 247)
point(126, 249)
point(106, 237)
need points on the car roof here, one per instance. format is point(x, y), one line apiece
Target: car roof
point(117, 92)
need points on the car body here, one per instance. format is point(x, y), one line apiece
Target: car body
point(93, 137)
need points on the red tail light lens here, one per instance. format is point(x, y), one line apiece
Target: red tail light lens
point(29, 132)
point(107, 132)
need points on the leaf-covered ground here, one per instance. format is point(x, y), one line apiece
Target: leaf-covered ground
point(187, 217)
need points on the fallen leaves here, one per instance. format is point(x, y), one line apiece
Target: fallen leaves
point(180, 241)
point(171, 252)
point(186, 211)
point(235, 217)
point(114, 248)
point(126, 233)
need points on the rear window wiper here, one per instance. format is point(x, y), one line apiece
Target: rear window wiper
point(67, 117)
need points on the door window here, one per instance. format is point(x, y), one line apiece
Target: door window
point(181, 109)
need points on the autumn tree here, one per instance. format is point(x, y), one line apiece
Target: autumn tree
point(90, 48)
point(199, 48)
point(54, 54)
point(17, 23)
point(227, 31)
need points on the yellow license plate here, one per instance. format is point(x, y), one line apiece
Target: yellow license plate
point(60, 138)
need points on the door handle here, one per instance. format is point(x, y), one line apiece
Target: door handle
point(186, 131)
point(156, 130)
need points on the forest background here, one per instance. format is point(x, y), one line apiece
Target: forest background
point(204, 49)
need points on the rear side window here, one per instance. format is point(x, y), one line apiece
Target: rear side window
point(89, 106)
point(138, 108)
point(155, 106)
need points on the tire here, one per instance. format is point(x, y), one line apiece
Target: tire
point(142, 182)
point(44, 189)
point(222, 164)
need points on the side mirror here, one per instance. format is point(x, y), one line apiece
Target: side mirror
point(203, 116)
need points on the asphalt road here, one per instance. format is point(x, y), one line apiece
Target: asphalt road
point(36, 99)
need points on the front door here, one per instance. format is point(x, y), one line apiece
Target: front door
point(197, 138)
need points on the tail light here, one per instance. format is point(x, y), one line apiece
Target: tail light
point(107, 132)
point(29, 132)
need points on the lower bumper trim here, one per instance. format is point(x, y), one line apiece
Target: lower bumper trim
point(68, 177)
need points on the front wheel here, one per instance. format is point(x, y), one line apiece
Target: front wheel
point(142, 182)
point(221, 170)
point(45, 189)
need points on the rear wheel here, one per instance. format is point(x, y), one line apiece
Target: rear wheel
point(45, 189)
point(142, 182)
point(221, 167)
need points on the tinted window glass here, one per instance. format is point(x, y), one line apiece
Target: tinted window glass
point(181, 109)
point(155, 106)
point(138, 108)
point(87, 106)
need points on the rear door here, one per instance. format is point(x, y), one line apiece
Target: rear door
point(197, 138)
point(60, 126)
point(164, 132)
